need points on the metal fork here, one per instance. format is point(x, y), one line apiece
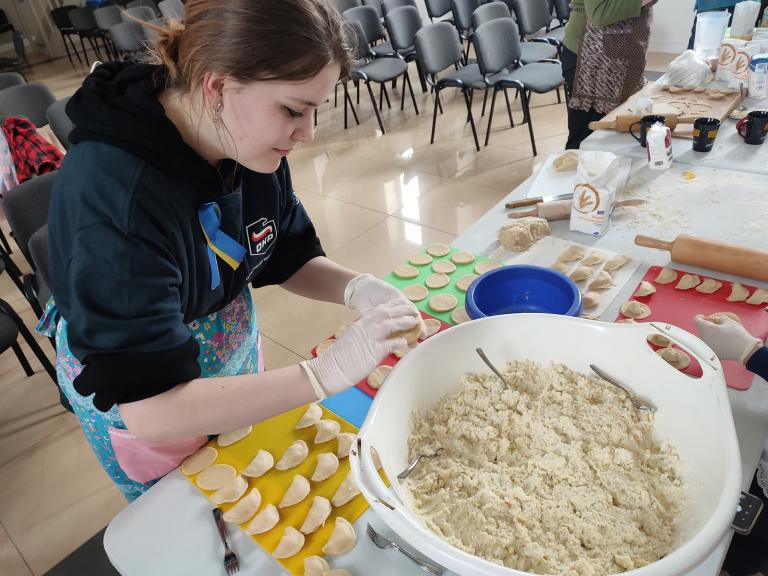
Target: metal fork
point(385, 543)
point(231, 563)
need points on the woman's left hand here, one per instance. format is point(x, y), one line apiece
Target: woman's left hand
point(365, 292)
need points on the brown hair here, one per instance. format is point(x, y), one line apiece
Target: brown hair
point(251, 40)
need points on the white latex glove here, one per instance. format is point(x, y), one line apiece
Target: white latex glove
point(727, 338)
point(365, 292)
point(361, 348)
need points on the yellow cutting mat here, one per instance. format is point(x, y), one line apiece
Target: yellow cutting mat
point(275, 435)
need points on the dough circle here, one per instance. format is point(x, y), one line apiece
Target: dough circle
point(438, 250)
point(415, 292)
point(437, 280)
point(462, 257)
point(406, 271)
point(459, 315)
point(443, 302)
point(420, 260)
point(487, 266)
point(465, 281)
point(444, 267)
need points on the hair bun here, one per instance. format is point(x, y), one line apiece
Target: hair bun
point(166, 47)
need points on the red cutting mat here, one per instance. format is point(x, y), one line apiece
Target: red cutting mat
point(679, 307)
point(390, 360)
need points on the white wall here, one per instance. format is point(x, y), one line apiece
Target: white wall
point(672, 22)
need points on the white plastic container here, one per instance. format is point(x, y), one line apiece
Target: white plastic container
point(694, 415)
point(744, 17)
point(710, 29)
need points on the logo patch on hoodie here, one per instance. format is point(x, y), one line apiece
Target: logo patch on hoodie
point(261, 234)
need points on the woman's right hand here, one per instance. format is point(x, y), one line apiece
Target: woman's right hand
point(727, 338)
point(362, 347)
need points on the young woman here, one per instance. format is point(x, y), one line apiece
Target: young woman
point(177, 195)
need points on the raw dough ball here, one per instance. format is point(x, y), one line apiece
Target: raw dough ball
point(487, 266)
point(581, 273)
point(738, 293)
point(341, 329)
point(675, 357)
point(229, 438)
point(315, 566)
point(437, 280)
point(561, 267)
point(290, 544)
point(759, 296)
point(345, 440)
point(245, 508)
point(709, 286)
point(444, 267)
point(592, 259)
point(688, 281)
point(567, 162)
point(326, 430)
point(443, 302)
point(645, 289)
point(462, 257)
point(403, 352)
point(465, 281)
point(231, 492)
point(317, 515)
point(377, 377)
point(635, 310)
point(324, 345)
point(264, 521)
point(438, 250)
point(405, 271)
point(346, 491)
point(420, 260)
point(659, 340)
point(342, 538)
point(311, 416)
point(572, 253)
point(293, 456)
point(296, 492)
point(717, 317)
point(199, 461)
point(216, 476)
point(415, 292)
point(260, 465)
point(522, 233)
point(433, 326)
point(590, 300)
point(411, 335)
point(616, 262)
point(459, 316)
point(327, 465)
point(666, 276)
point(604, 281)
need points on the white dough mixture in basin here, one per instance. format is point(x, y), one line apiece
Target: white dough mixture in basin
point(556, 474)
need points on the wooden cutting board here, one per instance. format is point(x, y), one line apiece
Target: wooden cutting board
point(687, 103)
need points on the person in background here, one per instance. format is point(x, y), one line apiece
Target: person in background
point(611, 68)
point(748, 555)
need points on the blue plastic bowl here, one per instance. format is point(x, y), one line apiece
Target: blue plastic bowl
point(523, 289)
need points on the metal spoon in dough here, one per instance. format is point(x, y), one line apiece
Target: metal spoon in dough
point(639, 402)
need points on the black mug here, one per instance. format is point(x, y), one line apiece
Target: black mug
point(704, 133)
point(753, 128)
point(645, 123)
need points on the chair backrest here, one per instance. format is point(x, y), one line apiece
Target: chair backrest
point(488, 12)
point(29, 100)
point(144, 4)
point(374, 4)
point(389, 5)
point(128, 36)
point(173, 9)
point(38, 251)
point(18, 47)
point(438, 8)
point(82, 19)
point(402, 25)
point(144, 13)
point(438, 47)
point(357, 40)
point(462, 12)
point(106, 17)
point(532, 16)
point(26, 208)
point(8, 79)
point(59, 121)
point(497, 45)
point(60, 17)
point(344, 5)
point(563, 9)
point(368, 19)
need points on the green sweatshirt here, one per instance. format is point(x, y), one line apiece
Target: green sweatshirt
point(599, 13)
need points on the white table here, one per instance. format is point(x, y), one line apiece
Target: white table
point(169, 531)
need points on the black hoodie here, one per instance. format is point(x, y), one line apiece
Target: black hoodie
point(128, 257)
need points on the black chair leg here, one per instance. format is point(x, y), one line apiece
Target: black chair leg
point(527, 112)
point(4, 242)
point(468, 101)
point(69, 54)
point(422, 79)
point(402, 98)
point(22, 359)
point(85, 53)
point(485, 101)
point(509, 109)
point(375, 109)
point(348, 100)
point(469, 108)
point(559, 100)
point(434, 116)
point(386, 96)
point(490, 116)
point(43, 359)
point(357, 87)
point(381, 97)
point(336, 96)
point(410, 89)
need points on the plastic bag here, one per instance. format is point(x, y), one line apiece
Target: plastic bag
point(688, 70)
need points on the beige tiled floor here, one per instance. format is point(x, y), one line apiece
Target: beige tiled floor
point(374, 199)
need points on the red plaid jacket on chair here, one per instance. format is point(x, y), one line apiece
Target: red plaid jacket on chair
point(32, 154)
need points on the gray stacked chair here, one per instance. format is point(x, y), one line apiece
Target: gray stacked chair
point(498, 54)
point(402, 26)
point(375, 4)
point(378, 70)
point(534, 16)
point(144, 4)
point(144, 13)
point(462, 17)
point(59, 121)
point(19, 58)
point(128, 38)
point(529, 51)
point(84, 22)
point(370, 21)
point(29, 100)
point(11, 325)
point(9, 79)
point(106, 17)
point(438, 48)
point(563, 10)
point(344, 5)
point(436, 9)
point(173, 9)
point(60, 17)
point(389, 5)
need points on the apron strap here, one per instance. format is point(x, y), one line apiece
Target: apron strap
point(219, 243)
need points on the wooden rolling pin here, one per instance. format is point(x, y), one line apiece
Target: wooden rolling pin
point(720, 256)
point(624, 121)
point(561, 209)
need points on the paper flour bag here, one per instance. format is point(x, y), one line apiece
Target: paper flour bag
point(597, 181)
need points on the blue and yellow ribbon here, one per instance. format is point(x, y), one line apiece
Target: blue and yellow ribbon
point(219, 243)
